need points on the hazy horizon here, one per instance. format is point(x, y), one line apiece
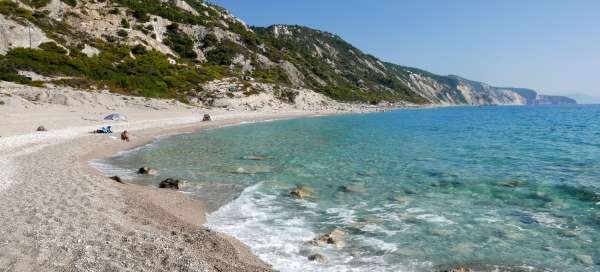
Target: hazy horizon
point(549, 46)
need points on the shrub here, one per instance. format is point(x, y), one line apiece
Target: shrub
point(52, 47)
point(122, 33)
point(71, 3)
point(37, 3)
point(125, 23)
point(179, 42)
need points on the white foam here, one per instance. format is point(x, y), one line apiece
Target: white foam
point(437, 219)
point(278, 235)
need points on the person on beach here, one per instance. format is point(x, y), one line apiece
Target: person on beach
point(125, 136)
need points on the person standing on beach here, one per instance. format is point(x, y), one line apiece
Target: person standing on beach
point(125, 136)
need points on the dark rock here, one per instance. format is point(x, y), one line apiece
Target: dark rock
point(335, 237)
point(317, 258)
point(352, 189)
point(41, 128)
point(117, 179)
point(170, 184)
point(254, 158)
point(147, 171)
point(207, 117)
point(301, 192)
point(512, 183)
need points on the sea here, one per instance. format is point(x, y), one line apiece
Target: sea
point(506, 187)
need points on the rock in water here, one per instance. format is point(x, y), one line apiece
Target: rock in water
point(41, 128)
point(147, 171)
point(301, 192)
point(512, 183)
point(335, 237)
point(317, 258)
point(352, 189)
point(170, 184)
point(254, 158)
point(117, 179)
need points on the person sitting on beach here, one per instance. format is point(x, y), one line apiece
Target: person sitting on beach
point(125, 136)
point(104, 130)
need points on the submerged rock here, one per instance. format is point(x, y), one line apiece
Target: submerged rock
point(254, 158)
point(170, 184)
point(585, 259)
point(460, 269)
point(335, 237)
point(301, 192)
point(352, 189)
point(512, 183)
point(317, 258)
point(147, 171)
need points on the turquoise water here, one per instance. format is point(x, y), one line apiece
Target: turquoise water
point(506, 186)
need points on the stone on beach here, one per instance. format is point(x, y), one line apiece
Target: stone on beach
point(170, 184)
point(147, 171)
point(117, 179)
point(335, 237)
point(41, 128)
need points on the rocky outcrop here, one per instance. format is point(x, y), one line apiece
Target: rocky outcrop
point(147, 171)
point(301, 192)
point(21, 33)
point(170, 183)
point(335, 237)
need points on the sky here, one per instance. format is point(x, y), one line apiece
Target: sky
point(552, 46)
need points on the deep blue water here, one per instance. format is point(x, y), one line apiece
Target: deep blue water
point(516, 186)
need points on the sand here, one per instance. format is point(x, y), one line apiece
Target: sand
point(60, 214)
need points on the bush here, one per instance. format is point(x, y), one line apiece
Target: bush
point(37, 3)
point(179, 42)
point(52, 47)
point(71, 3)
point(125, 23)
point(122, 33)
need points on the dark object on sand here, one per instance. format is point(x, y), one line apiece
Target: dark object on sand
point(206, 117)
point(147, 171)
point(117, 179)
point(170, 184)
point(116, 117)
point(104, 130)
point(41, 128)
point(125, 136)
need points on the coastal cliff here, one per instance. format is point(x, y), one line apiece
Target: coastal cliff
point(174, 49)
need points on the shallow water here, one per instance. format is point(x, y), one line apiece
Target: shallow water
point(517, 186)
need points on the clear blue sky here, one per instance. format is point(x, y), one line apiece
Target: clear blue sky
point(552, 46)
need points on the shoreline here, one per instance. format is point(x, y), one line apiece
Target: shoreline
point(170, 218)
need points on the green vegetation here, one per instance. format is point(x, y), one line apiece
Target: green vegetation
point(13, 10)
point(37, 3)
point(122, 33)
point(125, 23)
point(149, 74)
point(71, 3)
point(180, 42)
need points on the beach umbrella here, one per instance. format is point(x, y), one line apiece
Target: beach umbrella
point(116, 117)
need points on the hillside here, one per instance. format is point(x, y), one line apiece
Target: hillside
point(183, 48)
